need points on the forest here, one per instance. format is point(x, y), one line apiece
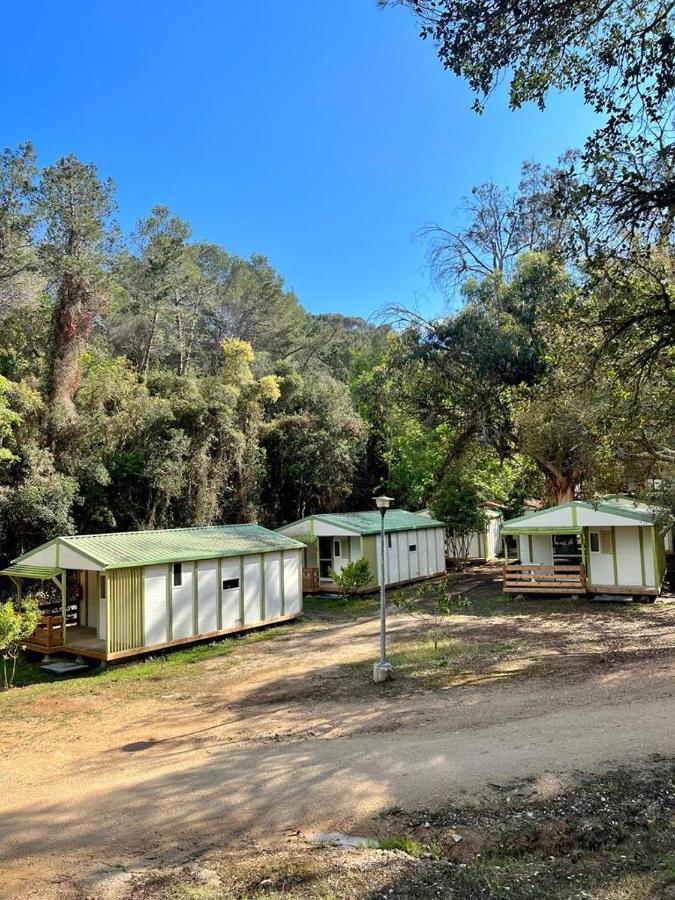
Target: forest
point(151, 380)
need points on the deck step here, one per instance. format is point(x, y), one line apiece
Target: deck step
point(64, 666)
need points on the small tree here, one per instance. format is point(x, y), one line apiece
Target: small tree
point(354, 577)
point(433, 605)
point(456, 503)
point(16, 625)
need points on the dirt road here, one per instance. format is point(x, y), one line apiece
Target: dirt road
point(250, 755)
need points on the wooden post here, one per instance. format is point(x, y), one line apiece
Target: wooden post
point(63, 599)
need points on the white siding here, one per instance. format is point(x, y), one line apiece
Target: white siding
point(602, 564)
point(422, 552)
point(494, 536)
point(391, 558)
point(649, 556)
point(340, 552)
point(252, 589)
point(230, 570)
point(182, 606)
point(401, 538)
point(355, 548)
point(542, 549)
point(628, 567)
point(207, 596)
point(440, 549)
point(92, 599)
point(292, 591)
point(154, 604)
point(272, 585)
point(523, 548)
point(413, 555)
point(70, 559)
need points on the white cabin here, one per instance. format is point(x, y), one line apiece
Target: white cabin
point(611, 546)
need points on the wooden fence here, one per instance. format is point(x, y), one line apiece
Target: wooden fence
point(310, 580)
point(556, 579)
point(48, 635)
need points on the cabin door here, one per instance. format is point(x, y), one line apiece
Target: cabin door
point(340, 553)
point(325, 557)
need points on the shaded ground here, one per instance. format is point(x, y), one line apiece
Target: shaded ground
point(610, 837)
point(158, 763)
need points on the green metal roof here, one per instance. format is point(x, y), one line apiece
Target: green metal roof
point(626, 509)
point(368, 522)
point(117, 550)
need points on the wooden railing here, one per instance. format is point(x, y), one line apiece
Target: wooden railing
point(557, 579)
point(48, 635)
point(310, 580)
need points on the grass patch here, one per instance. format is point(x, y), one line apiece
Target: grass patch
point(158, 669)
point(420, 660)
point(411, 846)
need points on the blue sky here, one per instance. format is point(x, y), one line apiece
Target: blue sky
point(322, 134)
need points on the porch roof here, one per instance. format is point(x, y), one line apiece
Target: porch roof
point(38, 572)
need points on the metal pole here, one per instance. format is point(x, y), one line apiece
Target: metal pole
point(383, 610)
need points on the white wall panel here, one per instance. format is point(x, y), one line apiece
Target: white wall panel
point(252, 589)
point(392, 559)
point(401, 539)
point(272, 585)
point(422, 551)
point(542, 549)
point(413, 555)
point(207, 595)
point(601, 564)
point(292, 592)
point(629, 569)
point(182, 606)
point(154, 609)
point(92, 599)
point(648, 547)
point(440, 549)
point(230, 570)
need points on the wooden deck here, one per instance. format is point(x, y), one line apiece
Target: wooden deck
point(535, 579)
point(83, 641)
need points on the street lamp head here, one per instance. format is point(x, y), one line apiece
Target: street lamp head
point(383, 502)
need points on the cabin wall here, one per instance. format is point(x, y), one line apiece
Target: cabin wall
point(493, 535)
point(147, 609)
point(600, 563)
point(628, 561)
point(405, 564)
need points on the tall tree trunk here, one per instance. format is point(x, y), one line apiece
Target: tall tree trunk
point(145, 362)
point(72, 325)
point(561, 484)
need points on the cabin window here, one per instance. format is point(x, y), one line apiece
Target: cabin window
point(594, 541)
point(177, 574)
point(337, 549)
point(412, 548)
point(389, 540)
point(606, 542)
point(230, 584)
point(566, 549)
point(101, 586)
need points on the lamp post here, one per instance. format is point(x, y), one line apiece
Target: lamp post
point(382, 669)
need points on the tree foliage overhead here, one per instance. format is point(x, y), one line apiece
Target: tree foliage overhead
point(620, 54)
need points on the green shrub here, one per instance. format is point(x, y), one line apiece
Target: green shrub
point(354, 577)
point(16, 626)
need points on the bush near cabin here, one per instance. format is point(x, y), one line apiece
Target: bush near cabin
point(354, 577)
point(16, 626)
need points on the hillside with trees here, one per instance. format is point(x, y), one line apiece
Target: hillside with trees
point(151, 380)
